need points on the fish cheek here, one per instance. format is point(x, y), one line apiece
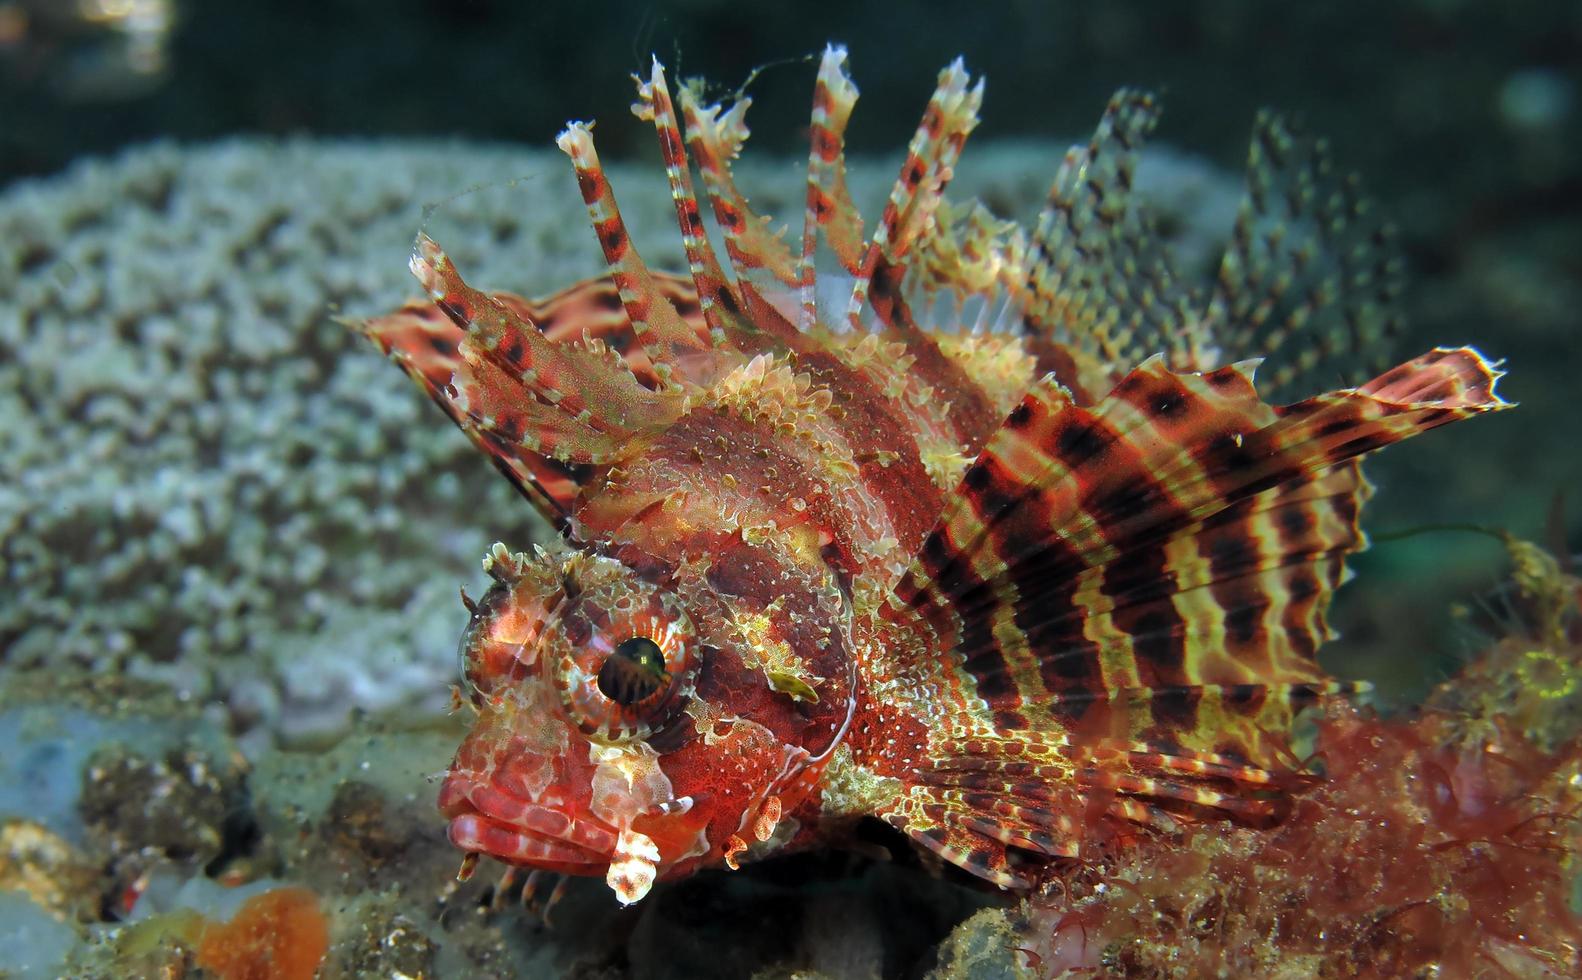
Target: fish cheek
point(521, 745)
point(681, 833)
point(729, 769)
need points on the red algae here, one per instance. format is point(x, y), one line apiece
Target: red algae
point(277, 935)
point(1440, 844)
point(1418, 854)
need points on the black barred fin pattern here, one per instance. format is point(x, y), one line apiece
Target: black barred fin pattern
point(1157, 567)
point(1086, 544)
point(1133, 596)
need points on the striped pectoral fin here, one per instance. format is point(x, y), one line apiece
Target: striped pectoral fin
point(1181, 537)
point(1003, 806)
point(1210, 643)
point(1002, 838)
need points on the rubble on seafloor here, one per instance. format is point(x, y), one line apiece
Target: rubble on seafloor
point(157, 849)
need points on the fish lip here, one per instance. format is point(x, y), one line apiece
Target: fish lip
point(485, 819)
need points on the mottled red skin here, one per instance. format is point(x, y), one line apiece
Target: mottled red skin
point(872, 567)
point(726, 780)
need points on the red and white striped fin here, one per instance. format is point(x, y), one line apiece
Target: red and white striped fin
point(1001, 805)
point(718, 299)
point(951, 114)
point(1131, 596)
point(426, 344)
point(668, 339)
point(766, 270)
point(572, 402)
point(831, 214)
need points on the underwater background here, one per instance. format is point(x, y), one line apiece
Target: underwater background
point(232, 534)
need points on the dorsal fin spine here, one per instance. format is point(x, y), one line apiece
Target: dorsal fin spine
point(659, 328)
point(951, 113)
point(830, 210)
point(654, 104)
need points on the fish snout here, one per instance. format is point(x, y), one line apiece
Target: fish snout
point(486, 819)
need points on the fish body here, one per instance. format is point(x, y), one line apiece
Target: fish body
point(967, 527)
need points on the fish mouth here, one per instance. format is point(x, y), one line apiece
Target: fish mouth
point(487, 820)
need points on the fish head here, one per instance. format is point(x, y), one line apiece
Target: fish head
point(626, 724)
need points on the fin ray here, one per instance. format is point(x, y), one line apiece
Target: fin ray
point(1180, 536)
point(1311, 272)
point(425, 343)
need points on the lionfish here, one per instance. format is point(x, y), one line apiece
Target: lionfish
point(967, 527)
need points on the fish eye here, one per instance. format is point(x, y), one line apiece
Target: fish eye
point(633, 672)
point(622, 655)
